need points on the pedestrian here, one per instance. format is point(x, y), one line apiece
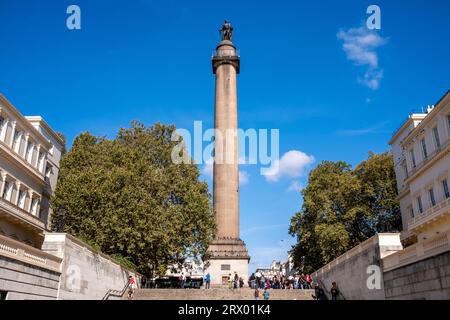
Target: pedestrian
point(309, 281)
point(256, 293)
point(207, 281)
point(230, 282)
point(236, 281)
point(131, 286)
point(144, 282)
point(182, 280)
point(241, 283)
point(334, 291)
point(266, 294)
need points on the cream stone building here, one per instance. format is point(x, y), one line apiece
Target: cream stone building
point(421, 149)
point(29, 164)
point(422, 166)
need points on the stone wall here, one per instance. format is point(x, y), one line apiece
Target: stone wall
point(24, 281)
point(427, 279)
point(86, 274)
point(350, 271)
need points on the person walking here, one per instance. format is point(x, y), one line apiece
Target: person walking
point(256, 293)
point(208, 281)
point(266, 294)
point(235, 281)
point(182, 280)
point(334, 291)
point(131, 286)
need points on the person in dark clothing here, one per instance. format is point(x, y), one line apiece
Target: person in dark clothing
point(334, 291)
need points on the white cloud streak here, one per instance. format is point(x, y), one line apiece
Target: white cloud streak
point(360, 44)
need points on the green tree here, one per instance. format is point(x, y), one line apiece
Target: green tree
point(343, 207)
point(127, 198)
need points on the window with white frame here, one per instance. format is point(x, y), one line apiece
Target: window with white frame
point(445, 189)
point(419, 204)
point(41, 161)
point(29, 154)
point(16, 141)
point(22, 196)
point(411, 211)
point(34, 206)
point(7, 192)
point(424, 148)
point(448, 122)
point(437, 140)
point(413, 157)
point(432, 198)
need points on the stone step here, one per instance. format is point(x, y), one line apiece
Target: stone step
point(218, 294)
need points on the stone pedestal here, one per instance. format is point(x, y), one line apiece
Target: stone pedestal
point(224, 258)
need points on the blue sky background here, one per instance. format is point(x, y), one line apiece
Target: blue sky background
point(151, 61)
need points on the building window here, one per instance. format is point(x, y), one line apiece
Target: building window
point(432, 198)
point(17, 137)
point(7, 191)
point(225, 267)
point(29, 154)
point(424, 148)
point(22, 195)
point(445, 187)
point(419, 204)
point(41, 161)
point(413, 157)
point(411, 211)
point(437, 140)
point(2, 122)
point(34, 205)
point(448, 122)
point(3, 295)
point(405, 170)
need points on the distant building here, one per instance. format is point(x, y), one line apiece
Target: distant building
point(279, 268)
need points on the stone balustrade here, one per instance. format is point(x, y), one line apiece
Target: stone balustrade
point(13, 249)
point(418, 251)
point(431, 214)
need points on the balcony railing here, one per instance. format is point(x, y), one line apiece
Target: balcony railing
point(21, 214)
point(417, 252)
point(19, 251)
point(432, 213)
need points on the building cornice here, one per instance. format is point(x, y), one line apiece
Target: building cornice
point(46, 127)
point(426, 120)
point(31, 129)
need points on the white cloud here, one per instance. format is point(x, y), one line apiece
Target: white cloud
point(208, 168)
point(292, 164)
point(244, 178)
point(360, 44)
point(295, 186)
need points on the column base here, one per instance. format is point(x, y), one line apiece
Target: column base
point(224, 258)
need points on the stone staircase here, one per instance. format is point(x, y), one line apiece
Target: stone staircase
point(217, 294)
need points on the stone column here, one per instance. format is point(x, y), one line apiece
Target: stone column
point(38, 149)
point(15, 201)
point(27, 137)
point(30, 202)
point(2, 189)
point(13, 133)
point(226, 169)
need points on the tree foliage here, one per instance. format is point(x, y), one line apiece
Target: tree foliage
point(127, 198)
point(343, 207)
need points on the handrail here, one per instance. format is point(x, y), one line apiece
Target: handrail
point(116, 293)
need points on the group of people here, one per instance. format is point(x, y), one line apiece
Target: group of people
point(259, 280)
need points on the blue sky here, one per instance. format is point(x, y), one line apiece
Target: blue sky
point(303, 67)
